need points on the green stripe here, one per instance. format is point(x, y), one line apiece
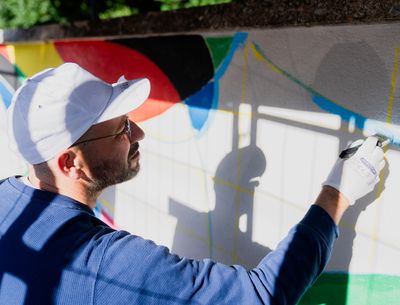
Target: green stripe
point(353, 289)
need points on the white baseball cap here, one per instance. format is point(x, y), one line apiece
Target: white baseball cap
point(55, 107)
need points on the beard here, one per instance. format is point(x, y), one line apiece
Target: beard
point(109, 172)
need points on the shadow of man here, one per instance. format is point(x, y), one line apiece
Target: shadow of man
point(229, 227)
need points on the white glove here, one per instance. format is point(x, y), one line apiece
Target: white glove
point(357, 176)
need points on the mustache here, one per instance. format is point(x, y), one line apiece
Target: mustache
point(133, 149)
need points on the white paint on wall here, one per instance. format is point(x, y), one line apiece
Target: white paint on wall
point(10, 163)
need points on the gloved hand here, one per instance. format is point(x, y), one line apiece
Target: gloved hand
point(357, 176)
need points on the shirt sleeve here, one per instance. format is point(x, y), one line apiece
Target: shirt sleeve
point(136, 271)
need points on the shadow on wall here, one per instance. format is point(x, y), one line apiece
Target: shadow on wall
point(230, 223)
point(353, 75)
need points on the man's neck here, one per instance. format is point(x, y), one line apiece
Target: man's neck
point(73, 190)
point(26, 181)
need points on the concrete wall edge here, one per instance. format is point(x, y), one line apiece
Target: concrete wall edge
point(237, 16)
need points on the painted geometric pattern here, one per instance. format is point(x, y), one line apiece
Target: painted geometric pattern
point(241, 130)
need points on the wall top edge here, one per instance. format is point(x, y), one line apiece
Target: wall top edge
point(237, 16)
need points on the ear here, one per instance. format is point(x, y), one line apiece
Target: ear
point(68, 164)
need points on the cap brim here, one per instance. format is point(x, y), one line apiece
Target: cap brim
point(126, 96)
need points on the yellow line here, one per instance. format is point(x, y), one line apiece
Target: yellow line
point(236, 113)
point(239, 159)
point(107, 205)
point(244, 76)
point(374, 234)
point(236, 187)
point(216, 180)
point(261, 58)
point(393, 87)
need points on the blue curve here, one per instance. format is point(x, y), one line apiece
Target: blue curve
point(238, 40)
point(200, 104)
point(202, 101)
point(5, 94)
point(369, 125)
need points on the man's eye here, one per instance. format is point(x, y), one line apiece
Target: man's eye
point(121, 134)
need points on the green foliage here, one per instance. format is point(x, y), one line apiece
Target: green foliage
point(118, 11)
point(177, 4)
point(27, 13)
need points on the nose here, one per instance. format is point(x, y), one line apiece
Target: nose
point(137, 133)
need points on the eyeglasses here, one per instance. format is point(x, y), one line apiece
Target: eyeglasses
point(125, 130)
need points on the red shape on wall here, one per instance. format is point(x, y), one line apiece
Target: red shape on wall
point(109, 61)
point(4, 53)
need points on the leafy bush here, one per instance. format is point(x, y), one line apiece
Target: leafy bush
point(27, 13)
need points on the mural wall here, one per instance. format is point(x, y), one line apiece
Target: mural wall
point(241, 129)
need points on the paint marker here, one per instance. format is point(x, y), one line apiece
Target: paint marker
point(382, 142)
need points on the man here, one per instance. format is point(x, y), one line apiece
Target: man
point(74, 132)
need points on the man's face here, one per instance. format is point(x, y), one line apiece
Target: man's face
point(113, 159)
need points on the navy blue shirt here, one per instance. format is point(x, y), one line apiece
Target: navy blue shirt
point(53, 250)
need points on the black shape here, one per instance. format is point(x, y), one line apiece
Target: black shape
point(185, 59)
